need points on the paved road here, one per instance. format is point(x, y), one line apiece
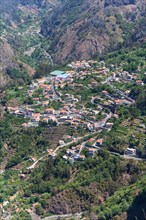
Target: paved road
point(128, 157)
point(34, 164)
point(59, 147)
point(78, 139)
point(79, 215)
point(107, 81)
point(82, 146)
point(132, 158)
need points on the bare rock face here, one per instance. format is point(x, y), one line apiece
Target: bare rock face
point(88, 28)
point(6, 60)
point(7, 55)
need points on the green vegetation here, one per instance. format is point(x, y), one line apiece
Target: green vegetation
point(131, 60)
point(105, 185)
point(123, 199)
point(19, 76)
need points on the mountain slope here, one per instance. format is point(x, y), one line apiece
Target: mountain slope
point(12, 69)
point(7, 60)
point(82, 29)
point(20, 42)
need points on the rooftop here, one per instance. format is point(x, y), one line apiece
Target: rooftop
point(57, 73)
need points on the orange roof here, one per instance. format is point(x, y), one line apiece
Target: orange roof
point(118, 101)
point(99, 140)
point(104, 91)
point(36, 114)
point(82, 156)
point(63, 111)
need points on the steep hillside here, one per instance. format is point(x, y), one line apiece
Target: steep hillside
point(83, 29)
point(10, 9)
point(107, 184)
point(21, 49)
point(63, 30)
point(7, 60)
point(134, 196)
point(12, 69)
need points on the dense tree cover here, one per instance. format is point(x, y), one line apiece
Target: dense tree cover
point(43, 69)
point(139, 94)
point(122, 199)
point(130, 60)
point(25, 142)
point(19, 76)
point(101, 174)
point(104, 169)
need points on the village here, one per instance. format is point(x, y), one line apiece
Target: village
point(71, 111)
point(52, 101)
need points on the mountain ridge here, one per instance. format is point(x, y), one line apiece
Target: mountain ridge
point(88, 28)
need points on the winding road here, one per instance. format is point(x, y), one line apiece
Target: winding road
point(59, 147)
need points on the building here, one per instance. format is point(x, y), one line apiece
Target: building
point(59, 74)
point(92, 151)
point(99, 142)
point(130, 152)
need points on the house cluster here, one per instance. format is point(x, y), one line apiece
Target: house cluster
point(119, 97)
point(73, 154)
point(79, 65)
point(46, 90)
point(113, 99)
point(80, 152)
point(126, 77)
point(67, 115)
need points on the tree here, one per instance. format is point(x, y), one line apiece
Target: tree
point(1, 199)
point(27, 193)
point(42, 70)
point(39, 210)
